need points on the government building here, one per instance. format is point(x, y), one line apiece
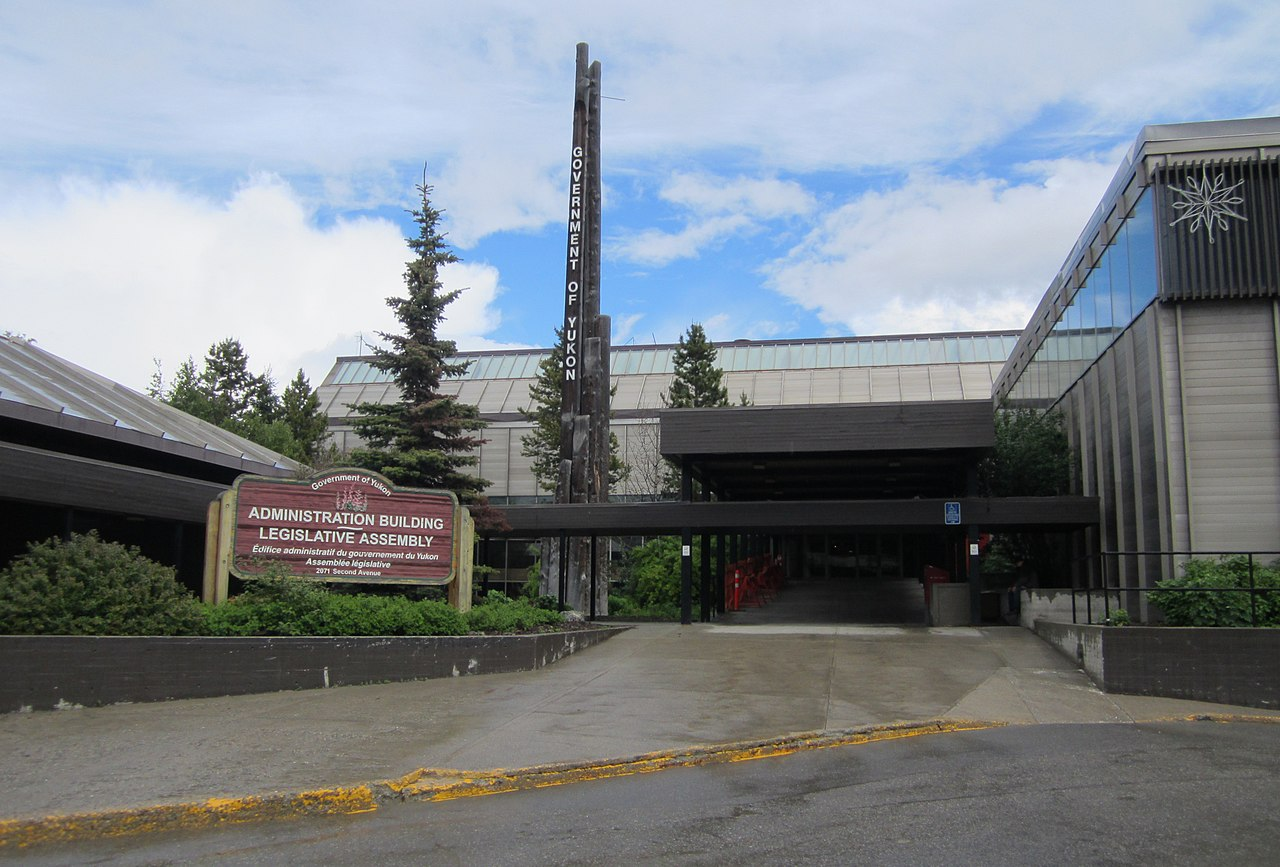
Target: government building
point(1157, 339)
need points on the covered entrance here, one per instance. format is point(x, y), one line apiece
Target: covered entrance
point(861, 501)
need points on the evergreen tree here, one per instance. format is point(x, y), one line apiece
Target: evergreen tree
point(224, 392)
point(300, 411)
point(542, 444)
point(698, 382)
point(424, 439)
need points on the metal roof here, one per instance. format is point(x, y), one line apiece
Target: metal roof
point(769, 372)
point(40, 388)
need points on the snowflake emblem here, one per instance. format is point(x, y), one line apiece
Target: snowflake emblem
point(1208, 205)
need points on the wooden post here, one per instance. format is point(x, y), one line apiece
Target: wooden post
point(464, 530)
point(212, 524)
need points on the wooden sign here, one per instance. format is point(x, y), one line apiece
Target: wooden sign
point(345, 525)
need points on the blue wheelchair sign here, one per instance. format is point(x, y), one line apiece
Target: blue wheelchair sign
point(952, 514)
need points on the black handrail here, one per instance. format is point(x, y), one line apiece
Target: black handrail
point(1107, 589)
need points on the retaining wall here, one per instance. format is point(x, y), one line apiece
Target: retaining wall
point(1227, 666)
point(39, 672)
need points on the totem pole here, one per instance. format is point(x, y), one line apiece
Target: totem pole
point(584, 403)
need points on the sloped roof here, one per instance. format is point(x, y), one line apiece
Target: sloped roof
point(40, 388)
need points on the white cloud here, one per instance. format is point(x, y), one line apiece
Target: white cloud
point(656, 247)
point(758, 198)
point(485, 88)
point(715, 209)
point(936, 252)
point(112, 275)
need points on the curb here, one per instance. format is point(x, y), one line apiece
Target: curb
point(429, 784)
point(436, 784)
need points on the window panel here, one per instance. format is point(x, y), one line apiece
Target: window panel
point(1142, 257)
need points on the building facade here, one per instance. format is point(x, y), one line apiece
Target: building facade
point(911, 368)
point(1159, 340)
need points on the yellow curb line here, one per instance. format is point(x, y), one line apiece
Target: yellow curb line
point(427, 784)
point(442, 785)
point(22, 833)
point(436, 784)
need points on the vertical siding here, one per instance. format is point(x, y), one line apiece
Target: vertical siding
point(1177, 427)
point(1170, 328)
point(1232, 418)
point(1115, 425)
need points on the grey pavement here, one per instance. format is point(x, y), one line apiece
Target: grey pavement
point(654, 687)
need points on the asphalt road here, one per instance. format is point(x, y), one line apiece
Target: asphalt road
point(1169, 793)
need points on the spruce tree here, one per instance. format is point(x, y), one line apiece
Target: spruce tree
point(300, 410)
point(425, 439)
point(698, 381)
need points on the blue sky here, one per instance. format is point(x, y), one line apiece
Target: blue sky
point(172, 173)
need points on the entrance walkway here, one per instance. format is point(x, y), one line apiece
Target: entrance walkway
point(896, 602)
point(655, 687)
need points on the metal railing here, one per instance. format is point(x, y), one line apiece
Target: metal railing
point(1174, 559)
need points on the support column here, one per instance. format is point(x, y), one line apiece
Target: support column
point(686, 547)
point(718, 574)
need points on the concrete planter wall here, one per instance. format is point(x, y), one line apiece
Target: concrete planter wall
point(1055, 604)
point(39, 672)
point(1228, 666)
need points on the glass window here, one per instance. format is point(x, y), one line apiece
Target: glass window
point(647, 357)
point(1142, 257)
point(1100, 281)
point(1075, 337)
point(878, 352)
point(809, 357)
point(767, 354)
point(822, 355)
point(1121, 280)
point(753, 358)
point(866, 353)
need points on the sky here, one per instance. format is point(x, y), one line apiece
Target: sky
point(174, 173)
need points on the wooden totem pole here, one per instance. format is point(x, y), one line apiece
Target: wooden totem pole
point(584, 404)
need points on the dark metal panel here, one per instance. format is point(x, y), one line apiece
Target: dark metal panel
point(823, 429)
point(668, 518)
point(36, 476)
point(1219, 228)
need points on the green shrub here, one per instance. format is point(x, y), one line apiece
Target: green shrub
point(86, 586)
point(1217, 607)
point(279, 605)
point(626, 607)
point(653, 573)
point(498, 613)
point(275, 603)
point(1119, 617)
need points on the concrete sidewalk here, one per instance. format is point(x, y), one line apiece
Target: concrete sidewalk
point(655, 687)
